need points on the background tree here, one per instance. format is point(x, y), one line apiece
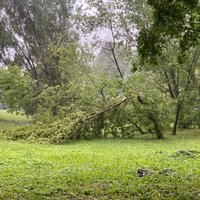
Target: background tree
point(98, 104)
point(181, 80)
point(171, 19)
point(173, 22)
point(29, 29)
point(17, 90)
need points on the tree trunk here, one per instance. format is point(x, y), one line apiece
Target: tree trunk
point(100, 124)
point(178, 110)
point(157, 128)
point(159, 133)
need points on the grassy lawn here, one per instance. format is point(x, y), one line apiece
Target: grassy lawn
point(9, 121)
point(102, 169)
point(12, 117)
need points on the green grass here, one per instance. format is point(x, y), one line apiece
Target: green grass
point(102, 169)
point(11, 120)
point(6, 126)
point(12, 117)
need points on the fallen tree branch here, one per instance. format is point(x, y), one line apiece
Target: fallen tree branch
point(138, 127)
point(95, 114)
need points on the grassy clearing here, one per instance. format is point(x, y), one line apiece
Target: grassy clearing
point(10, 120)
point(102, 169)
point(6, 126)
point(12, 117)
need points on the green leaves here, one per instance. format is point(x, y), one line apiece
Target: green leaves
point(149, 46)
point(171, 19)
point(29, 28)
point(17, 90)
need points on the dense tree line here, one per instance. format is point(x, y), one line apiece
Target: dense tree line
point(50, 74)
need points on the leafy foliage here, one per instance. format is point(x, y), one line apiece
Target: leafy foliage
point(152, 110)
point(57, 83)
point(171, 19)
point(150, 114)
point(17, 90)
point(32, 28)
point(59, 131)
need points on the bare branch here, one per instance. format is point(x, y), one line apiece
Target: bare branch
point(103, 95)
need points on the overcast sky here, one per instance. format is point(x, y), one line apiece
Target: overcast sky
point(100, 34)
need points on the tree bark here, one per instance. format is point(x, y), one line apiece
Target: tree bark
point(95, 114)
point(178, 110)
point(159, 133)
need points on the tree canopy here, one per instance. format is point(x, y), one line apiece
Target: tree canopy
point(31, 29)
point(178, 20)
point(53, 76)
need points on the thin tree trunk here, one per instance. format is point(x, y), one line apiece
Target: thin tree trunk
point(138, 127)
point(158, 131)
point(178, 110)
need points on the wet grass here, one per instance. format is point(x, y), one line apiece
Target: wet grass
point(11, 120)
point(103, 169)
point(12, 117)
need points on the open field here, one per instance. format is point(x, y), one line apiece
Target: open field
point(102, 169)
